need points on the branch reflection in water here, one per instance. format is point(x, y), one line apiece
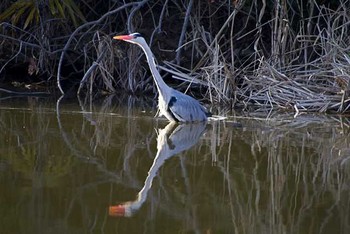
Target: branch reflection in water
point(274, 175)
point(172, 140)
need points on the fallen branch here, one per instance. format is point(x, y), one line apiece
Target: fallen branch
point(24, 93)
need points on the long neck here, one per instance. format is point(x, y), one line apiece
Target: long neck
point(161, 85)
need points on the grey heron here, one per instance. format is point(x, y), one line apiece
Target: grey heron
point(174, 105)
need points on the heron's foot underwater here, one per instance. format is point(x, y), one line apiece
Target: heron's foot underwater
point(216, 118)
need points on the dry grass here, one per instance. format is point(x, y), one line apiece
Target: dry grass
point(233, 52)
point(305, 70)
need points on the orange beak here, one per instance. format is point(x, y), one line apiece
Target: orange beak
point(123, 37)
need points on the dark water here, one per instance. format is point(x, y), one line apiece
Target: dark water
point(78, 168)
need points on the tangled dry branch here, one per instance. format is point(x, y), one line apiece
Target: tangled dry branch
point(281, 54)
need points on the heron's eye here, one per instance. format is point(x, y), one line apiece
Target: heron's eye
point(136, 35)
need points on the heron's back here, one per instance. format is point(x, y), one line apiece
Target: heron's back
point(186, 109)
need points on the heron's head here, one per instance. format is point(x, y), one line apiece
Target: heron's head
point(134, 38)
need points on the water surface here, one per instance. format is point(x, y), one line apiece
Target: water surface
point(111, 167)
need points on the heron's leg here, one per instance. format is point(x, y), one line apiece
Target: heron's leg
point(158, 113)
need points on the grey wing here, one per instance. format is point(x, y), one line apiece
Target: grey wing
point(186, 109)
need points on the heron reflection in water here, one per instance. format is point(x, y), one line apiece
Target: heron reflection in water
point(171, 140)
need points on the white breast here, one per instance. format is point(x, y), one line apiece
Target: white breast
point(163, 106)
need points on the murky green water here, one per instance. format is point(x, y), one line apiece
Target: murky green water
point(110, 167)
